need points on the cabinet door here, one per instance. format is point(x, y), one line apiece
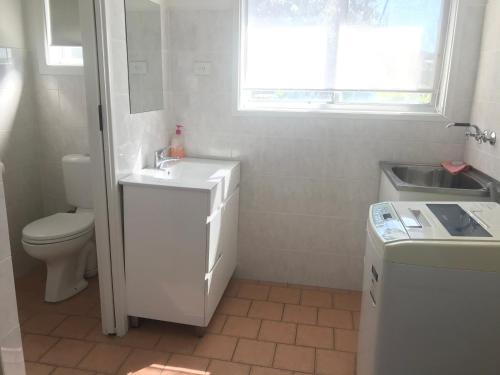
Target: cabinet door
point(224, 253)
point(165, 253)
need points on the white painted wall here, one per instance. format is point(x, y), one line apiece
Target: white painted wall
point(307, 181)
point(486, 108)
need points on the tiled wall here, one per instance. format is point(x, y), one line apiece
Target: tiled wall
point(42, 118)
point(61, 115)
point(307, 180)
point(135, 136)
point(11, 351)
point(486, 109)
point(19, 137)
point(62, 122)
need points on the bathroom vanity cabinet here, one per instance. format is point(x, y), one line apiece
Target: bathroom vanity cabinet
point(180, 230)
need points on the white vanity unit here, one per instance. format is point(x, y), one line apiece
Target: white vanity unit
point(180, 229)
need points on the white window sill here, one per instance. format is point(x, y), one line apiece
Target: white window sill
point(430, 116)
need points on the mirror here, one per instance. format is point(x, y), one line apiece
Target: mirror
point(143, 24)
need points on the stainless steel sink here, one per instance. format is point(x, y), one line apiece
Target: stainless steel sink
point(430, 176)
point(435, 179)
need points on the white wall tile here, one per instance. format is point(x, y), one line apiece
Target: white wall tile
point(486, 106)
point(307, 181)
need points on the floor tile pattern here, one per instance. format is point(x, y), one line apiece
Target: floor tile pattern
point(259, 328)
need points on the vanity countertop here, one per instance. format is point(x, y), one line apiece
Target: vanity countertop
point(189, 173)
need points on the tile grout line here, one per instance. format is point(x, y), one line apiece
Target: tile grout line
point(92, 347)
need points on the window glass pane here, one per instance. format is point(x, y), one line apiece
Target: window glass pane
point(291, 43)
point(391, 45)
point(64, 56)
point(341, 51)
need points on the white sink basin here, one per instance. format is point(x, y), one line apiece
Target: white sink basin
point(191, 173)
point(191, 169)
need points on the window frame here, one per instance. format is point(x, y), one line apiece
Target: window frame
point(431, 112)
point(42, 45)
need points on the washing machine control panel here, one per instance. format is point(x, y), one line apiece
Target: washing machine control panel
point(387, 223)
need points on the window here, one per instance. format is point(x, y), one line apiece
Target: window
point(376, 55)
point(62, 33)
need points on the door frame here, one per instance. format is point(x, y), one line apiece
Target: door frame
point(109, 232)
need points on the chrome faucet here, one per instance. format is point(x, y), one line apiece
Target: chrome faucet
point(162, 160)
point(481, 136)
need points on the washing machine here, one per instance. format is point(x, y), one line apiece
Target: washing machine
point(431, 290)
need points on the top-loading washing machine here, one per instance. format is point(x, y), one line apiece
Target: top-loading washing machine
point(431, 290)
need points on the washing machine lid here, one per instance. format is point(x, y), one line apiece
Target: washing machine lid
point(454, 235)
point(450, 221)
point(58, 226)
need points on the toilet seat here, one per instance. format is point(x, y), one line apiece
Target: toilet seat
point(58, 228)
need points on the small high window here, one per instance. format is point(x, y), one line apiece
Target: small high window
point(63, 44)
point(380, 55)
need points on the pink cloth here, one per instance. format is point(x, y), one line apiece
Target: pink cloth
point(455, 167)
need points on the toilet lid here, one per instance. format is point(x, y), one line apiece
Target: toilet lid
point(58, 226)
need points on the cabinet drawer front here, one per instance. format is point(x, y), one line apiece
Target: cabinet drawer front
point(222, 230)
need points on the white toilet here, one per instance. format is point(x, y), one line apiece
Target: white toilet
point(65, 241)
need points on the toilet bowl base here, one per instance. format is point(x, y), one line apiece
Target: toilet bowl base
point(63, 281)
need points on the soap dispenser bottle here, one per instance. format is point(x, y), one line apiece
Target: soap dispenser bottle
point(177, 144)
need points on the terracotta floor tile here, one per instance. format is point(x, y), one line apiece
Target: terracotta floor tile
point(24, 314)
point(241, 327)
point(300, 314)
point(216, 346)
point(75, 327)
point(42, 323)
point(284, 295)
point(279, 332)
point(105, 358)
point(266, 310)
point(347, 301)
point(273, 283)
point(81, 304)
point(70, 371)
point(316, 298)
point(269, 371)
point(34, 346)
point(95, 311)
point(254, 352)
point(38, 369)
point(254, 291)
point(232, 289)
point(140, 339)
point(227, 368)
point(96, 335)
point(295, 358)
point(187, 363)
point(329, 362)
point(346, 340)
point(315, 336)
point(234, 306)
point(356, 318)
point(217, 323)
point(335, 318)
point(178, 342)
point(144, 362)
point(67, 353)
point(245, 337)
